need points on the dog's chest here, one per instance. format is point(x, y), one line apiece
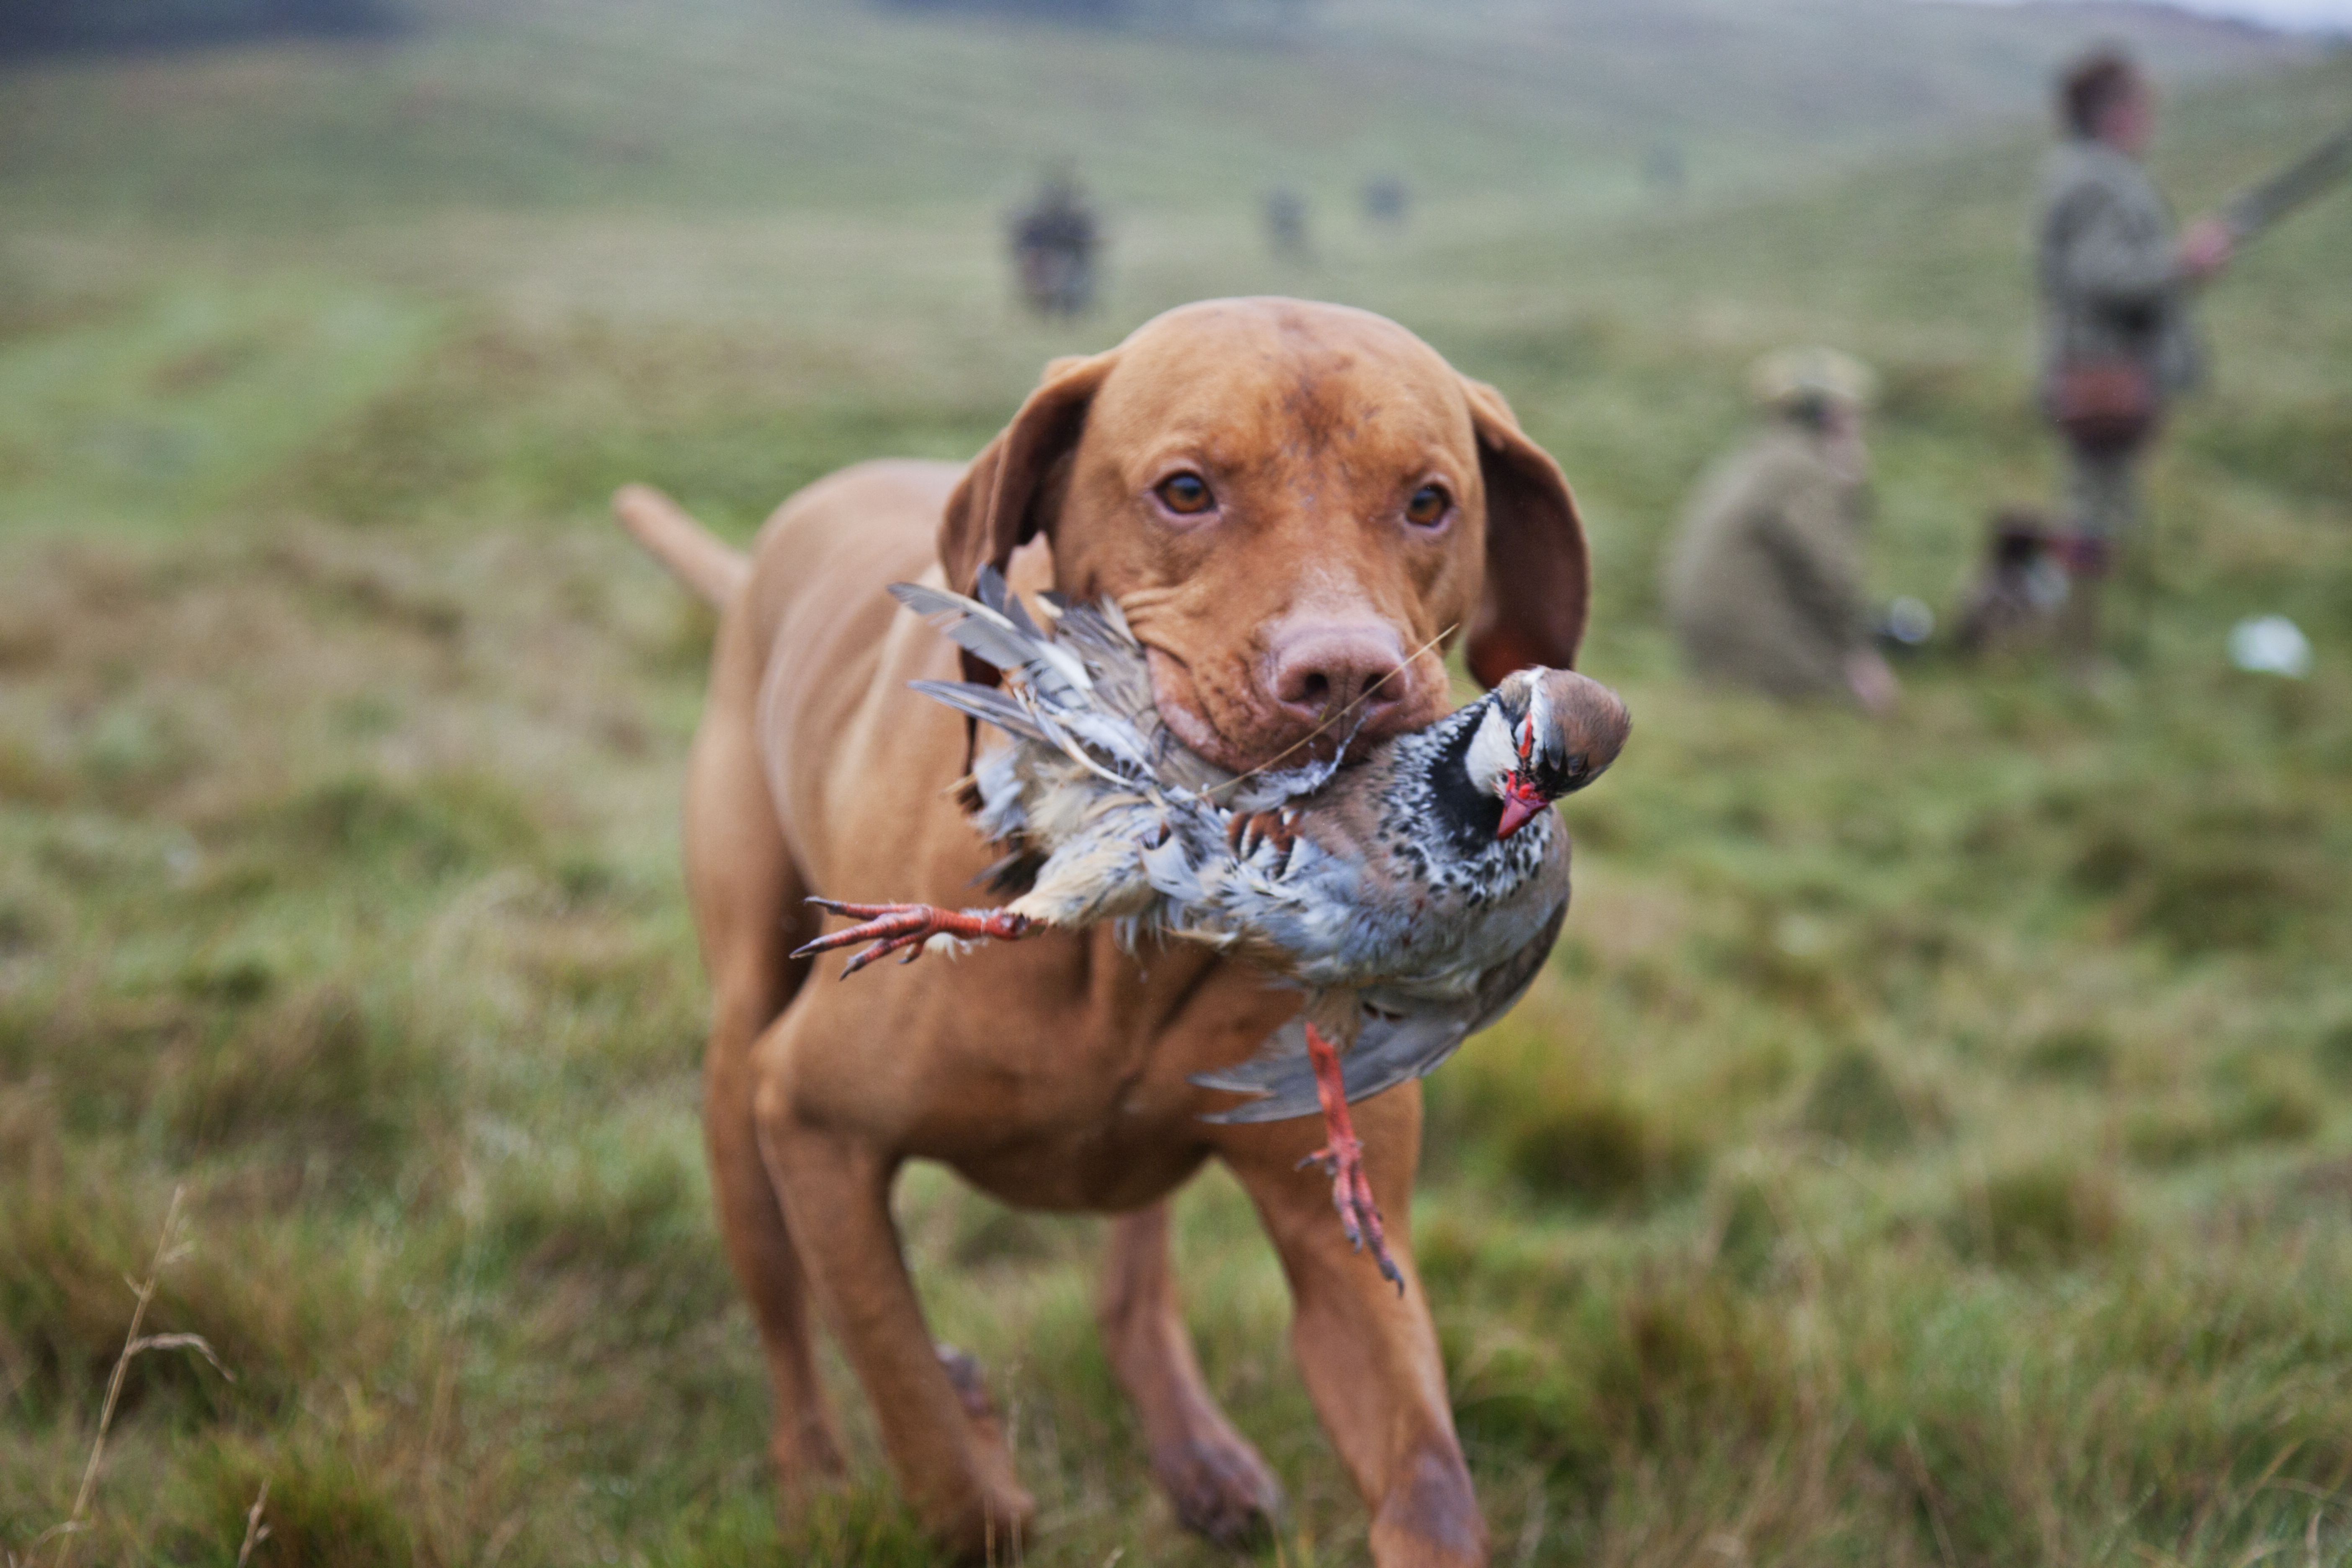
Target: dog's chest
point(1066, 1084)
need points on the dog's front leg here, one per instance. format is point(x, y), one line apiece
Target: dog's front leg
point(952, 1464)
point(1216, 1482)
point(1369, 1354)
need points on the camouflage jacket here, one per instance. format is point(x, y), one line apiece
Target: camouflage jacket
point(1763, 581)
point(2109, 272)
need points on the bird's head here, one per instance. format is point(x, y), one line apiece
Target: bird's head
point(1545, 734)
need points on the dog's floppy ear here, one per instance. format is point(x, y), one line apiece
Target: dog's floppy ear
point(1538, 575)
point(994, 509)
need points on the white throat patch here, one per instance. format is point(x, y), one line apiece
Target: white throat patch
point(1494, 751)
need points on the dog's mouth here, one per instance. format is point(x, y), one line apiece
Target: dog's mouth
point(1185, 707)
point(1177, 696)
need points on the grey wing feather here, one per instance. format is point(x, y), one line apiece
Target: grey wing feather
point(995, 627)
point(1108, 734)
point(1389, 1049)
point(971, 626)
point(998, 595)
point(984, 703)
point(1056, 700)
point(1099, 635)
point(1052, 668)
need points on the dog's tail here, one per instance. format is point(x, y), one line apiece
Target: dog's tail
point(695, 556)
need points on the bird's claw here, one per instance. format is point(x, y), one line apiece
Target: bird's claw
point(893, 927)
point(1341, 1159)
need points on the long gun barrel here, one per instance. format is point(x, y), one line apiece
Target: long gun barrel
point(2257, 209)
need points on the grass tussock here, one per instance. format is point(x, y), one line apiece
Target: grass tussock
point(321, 1510)
point(2044, 1213)
point(1853, 1100)
point(313, 1073)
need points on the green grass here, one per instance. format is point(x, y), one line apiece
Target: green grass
point(1932, 1143)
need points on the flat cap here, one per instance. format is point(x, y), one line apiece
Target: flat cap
point(1788, 379)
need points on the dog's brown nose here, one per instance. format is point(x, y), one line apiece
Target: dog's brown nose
point(1320, 669)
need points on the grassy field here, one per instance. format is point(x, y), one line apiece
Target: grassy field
point(1932, 1145)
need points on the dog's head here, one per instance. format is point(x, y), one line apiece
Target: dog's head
point(1298, 506)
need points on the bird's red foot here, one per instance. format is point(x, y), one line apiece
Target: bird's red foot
point(891, 926)
point(1342, 1159)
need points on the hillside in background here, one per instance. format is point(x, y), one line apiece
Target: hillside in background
point(826, 103)
point(35, 26)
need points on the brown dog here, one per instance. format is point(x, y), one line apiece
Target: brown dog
point(1297, 505)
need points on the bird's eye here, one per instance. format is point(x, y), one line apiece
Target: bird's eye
point(1428, 506)
point(1185, 494)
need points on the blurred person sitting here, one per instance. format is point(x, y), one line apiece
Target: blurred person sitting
point(2117, 343)
point(1763, 582)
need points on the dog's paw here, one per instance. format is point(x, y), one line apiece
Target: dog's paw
point(1220, 1489)
point(970, 1383)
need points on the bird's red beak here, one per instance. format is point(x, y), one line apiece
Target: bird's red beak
point(1521, 805)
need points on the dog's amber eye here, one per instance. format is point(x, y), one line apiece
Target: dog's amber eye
point(1428, 506)
point(1185, 493)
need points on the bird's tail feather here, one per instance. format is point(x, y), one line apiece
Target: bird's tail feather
point(1388, 1052)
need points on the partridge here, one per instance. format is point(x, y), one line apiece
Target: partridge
point(1413, 894)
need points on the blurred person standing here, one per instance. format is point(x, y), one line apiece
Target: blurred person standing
point(1054, 238)
point(1385, 199)
point(2118, 342)
point(1764, 578)
point(1285, 223)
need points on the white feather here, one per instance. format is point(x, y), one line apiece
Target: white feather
point(1493, 751)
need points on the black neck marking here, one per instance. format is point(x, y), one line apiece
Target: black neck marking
point(1470, 816)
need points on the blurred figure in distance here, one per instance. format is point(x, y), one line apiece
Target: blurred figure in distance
point(1054, 238)
point(1662, 169)
point(1764, 578)
point(2021, 586)
point(2117, 343)
point(1285, 223)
